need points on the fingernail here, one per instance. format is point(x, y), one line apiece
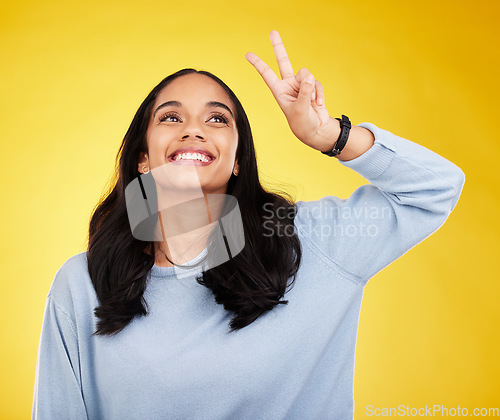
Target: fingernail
point(320, 101)
point(309, 79)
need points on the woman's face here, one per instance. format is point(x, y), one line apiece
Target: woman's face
point(194, 114)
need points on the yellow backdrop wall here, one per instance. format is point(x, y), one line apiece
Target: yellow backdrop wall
point(74, 73)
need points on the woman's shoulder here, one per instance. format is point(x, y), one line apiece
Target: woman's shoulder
point(72, 282)
point(73, 268)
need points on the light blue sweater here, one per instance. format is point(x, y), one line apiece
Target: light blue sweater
point(294, 362)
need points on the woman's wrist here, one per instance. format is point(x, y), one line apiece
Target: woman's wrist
point(359, 141)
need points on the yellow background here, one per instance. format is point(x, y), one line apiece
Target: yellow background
point(73, 75)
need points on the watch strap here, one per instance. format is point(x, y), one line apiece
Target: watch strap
point(345, 128)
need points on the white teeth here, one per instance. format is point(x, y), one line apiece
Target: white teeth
point(192, 156)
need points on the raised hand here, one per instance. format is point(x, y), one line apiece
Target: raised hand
point(300, 97)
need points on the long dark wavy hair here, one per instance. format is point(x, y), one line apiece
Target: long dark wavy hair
point(249, 284)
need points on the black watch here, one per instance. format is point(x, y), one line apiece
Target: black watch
point(345, 128)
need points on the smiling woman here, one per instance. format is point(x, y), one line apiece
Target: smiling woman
point(184, 122)
point(131, 333)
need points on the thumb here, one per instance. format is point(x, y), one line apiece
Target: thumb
point(306, 91)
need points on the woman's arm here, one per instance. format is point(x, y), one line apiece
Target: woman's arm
point(58, 392)
point(411, 193)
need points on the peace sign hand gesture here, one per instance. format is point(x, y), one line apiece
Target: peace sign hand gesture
point(300, 97)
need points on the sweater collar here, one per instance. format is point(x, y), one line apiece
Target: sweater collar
point(182, 270)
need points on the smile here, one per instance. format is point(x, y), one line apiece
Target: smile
point(198, 159)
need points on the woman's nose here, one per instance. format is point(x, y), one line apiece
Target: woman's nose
point(197, 136)
point(193, 129)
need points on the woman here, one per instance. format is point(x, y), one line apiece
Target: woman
point(210, 341)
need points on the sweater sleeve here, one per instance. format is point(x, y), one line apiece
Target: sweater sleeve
point(411, 192)
point(58, 392)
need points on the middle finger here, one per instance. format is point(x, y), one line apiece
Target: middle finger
point(284, 64)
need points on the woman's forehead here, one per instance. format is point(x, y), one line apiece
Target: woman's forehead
point(193, 87)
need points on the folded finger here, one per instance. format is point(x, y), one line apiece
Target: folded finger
point(320, 94)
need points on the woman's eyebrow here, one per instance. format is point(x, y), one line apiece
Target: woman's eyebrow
point(210, 104)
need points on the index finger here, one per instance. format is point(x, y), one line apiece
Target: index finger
point(264, 70)
point(284, 64)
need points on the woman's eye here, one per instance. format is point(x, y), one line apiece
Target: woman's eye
point(222, 118)
point(167, 116)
